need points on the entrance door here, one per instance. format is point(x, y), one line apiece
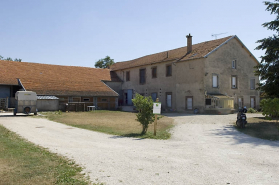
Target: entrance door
point(189, 102)
point(129, 96)
point(240, 102)
point(253, 102)
point(168, 99)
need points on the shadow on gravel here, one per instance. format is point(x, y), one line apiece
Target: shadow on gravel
point(229, 131)
point(183, 114)
point(14, 116)
point(135, 136)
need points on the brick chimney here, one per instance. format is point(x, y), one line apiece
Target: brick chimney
point(189, 43)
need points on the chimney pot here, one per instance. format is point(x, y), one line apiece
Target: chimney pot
point(189, 43)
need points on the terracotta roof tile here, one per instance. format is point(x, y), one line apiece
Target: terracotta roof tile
point(198, 51)
point(47, 79)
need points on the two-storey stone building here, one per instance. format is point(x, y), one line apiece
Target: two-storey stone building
point(215, 76)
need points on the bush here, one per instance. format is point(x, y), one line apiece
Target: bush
point(251, 110)
point(145, 107)
point(270, 108)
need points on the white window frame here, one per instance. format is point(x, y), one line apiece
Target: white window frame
point(234, 82)
point(234, 64)
point(215, 85)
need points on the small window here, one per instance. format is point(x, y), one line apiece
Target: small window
point(208, 101)
point(252, 83)
point(127, 75)
point(154, 96)
point(168, 99)
point(86, 99)
point(189, 102)
point(142, 76)
point(234, 64)
point(154, 72)
point(104, 99)
point(215, 80)
point(234, 82)
point(168, 70)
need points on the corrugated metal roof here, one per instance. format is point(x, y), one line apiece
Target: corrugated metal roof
point(47, 98)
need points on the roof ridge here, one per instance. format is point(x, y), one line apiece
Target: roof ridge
point(35, 63)
point(175, 49)
point(199, 50)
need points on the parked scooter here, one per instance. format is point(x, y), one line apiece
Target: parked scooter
point(241, 118)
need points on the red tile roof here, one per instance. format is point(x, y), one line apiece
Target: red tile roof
point(198, 51)
point(47, 79)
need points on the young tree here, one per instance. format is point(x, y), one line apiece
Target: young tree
point(104, 62)
point(145, 107)
point(268, 69)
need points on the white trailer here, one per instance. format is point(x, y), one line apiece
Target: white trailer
point(26, 102)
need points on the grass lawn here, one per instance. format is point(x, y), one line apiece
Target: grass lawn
point(112, 122)
point(261, 128)
point(21, 162)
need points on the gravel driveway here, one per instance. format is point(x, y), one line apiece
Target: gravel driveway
point(204, 149)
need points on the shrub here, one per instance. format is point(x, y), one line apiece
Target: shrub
point(251, 110)
point(145, 107)
point(270, 108)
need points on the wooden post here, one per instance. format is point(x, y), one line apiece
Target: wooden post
point(155, 123)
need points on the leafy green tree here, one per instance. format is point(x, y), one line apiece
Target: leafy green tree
point(268, 69)
point(145, 107)
point(270, 108)
point(104, 62)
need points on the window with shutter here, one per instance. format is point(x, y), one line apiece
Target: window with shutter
point(234, 64)
point(154, 72)
point(168, 70)
point(252, 83)
point(127, 75)
point(234, 82)
point(142, 76)
point(215, 80)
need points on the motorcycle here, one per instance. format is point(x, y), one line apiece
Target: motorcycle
point(241, 118)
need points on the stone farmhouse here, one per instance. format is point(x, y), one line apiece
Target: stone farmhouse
point(209, 77)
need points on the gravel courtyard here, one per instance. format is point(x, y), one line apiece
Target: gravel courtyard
point(204, 149)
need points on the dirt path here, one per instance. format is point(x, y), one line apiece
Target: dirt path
point(204, 149)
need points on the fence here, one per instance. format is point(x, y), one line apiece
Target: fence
point(78, 106)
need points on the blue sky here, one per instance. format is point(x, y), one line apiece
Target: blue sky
point(79, 32)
